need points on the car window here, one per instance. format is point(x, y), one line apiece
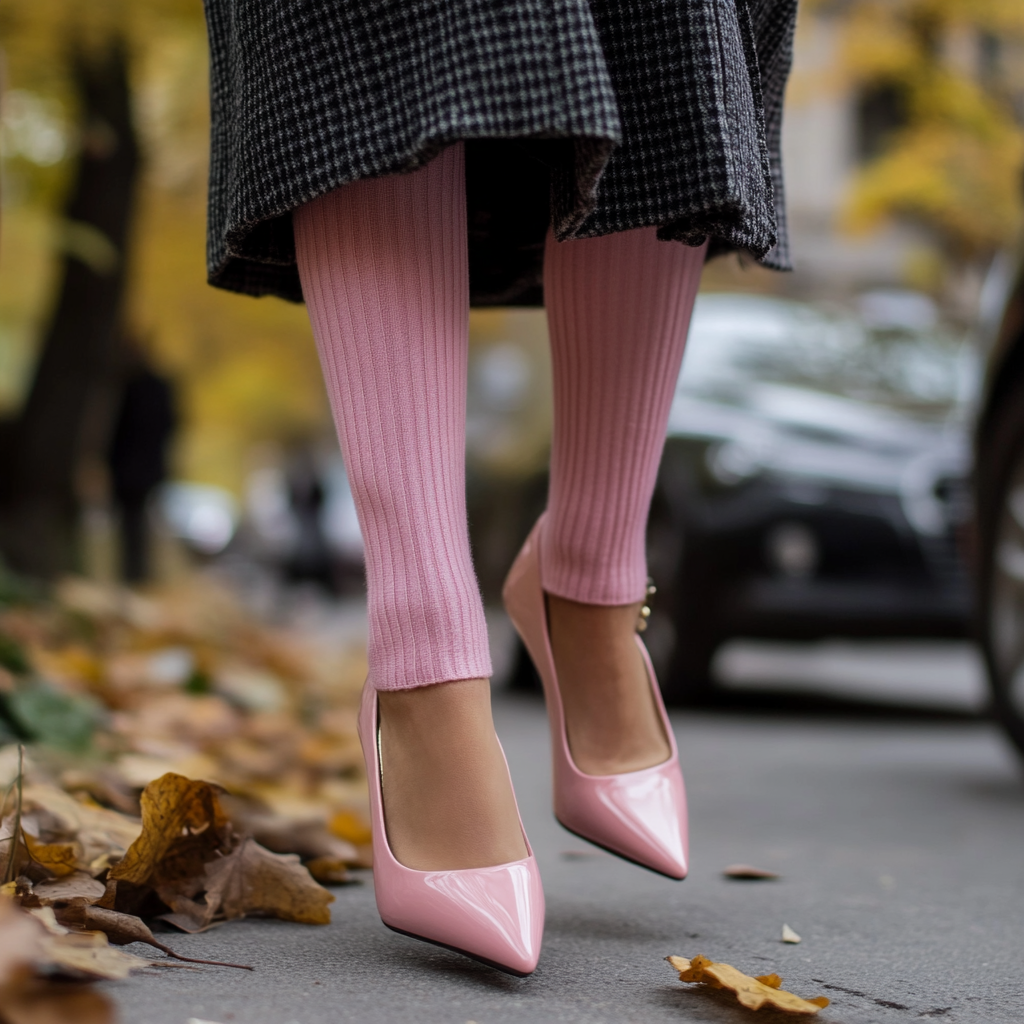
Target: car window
point(737, 341)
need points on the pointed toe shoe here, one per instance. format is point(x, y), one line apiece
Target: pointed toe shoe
point(494, 915)
point(641, 815)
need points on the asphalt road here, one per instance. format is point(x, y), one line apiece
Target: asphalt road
point(901, 849)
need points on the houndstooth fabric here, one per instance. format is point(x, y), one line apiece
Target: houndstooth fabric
point(594, 116)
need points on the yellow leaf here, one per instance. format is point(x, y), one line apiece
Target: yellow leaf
point(182, 827)
point(59, 859)
point(753, 993)
point(350, 826)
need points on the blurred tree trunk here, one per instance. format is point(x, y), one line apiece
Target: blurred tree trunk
point(40, 449)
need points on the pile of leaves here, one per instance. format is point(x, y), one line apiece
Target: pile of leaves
point(164, 758)
point(112, 689)
point(185, 863)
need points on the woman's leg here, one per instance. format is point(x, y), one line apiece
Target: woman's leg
point(384, 272)
point(619, 309)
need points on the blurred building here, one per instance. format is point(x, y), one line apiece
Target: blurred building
point(850, 96)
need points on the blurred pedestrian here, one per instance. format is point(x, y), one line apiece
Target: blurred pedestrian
point(390, 163)
point(137, 457)
point(310, 556)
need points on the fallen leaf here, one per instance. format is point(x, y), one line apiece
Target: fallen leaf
point(101, 833)
point(183, 827)
point(90, 953)
point(329, 870)
point(63, 720)
point(351, 827)
point(77, 886)
point(788, 935)
point(35, 940)
point(748, 873)
point(123, 929)
point(41, 1002)
point(21, 940)
point(57, 859)
point(753, 993)
point(48, 919)
point(252, 880)
point(310, 838)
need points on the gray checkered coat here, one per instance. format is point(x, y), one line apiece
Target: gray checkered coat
point(591, 115)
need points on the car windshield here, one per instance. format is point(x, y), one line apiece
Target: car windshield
point(738, 341)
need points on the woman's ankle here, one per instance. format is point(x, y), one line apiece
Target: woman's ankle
point(448, 800)
point(612, 720)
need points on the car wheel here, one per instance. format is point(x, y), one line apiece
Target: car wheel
point(1000, 476)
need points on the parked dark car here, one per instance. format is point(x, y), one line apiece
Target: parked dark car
point(999, 497)
point(815, 480)
point(815, 483)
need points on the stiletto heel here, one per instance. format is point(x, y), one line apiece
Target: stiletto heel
point(494, 915)
point(641, 815)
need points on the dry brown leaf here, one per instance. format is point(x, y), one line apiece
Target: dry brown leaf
point(33, 940)
point(753, 993)
point(102, 834)
point(77, 886)
point(41, 1002)
point(174, 811)
point(122, 930)
point(252, 880)
point(21, 940)
point(48, 919)
point(748, 873)
point(103, 785)
point(183, 827)
point(329, 870)
point(310, 838)
point(90, 953)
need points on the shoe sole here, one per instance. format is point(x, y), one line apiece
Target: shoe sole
point(615, 853)
point(463, 952)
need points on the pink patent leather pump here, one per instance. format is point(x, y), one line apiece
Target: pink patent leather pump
point(494, 914)
point(641, 815)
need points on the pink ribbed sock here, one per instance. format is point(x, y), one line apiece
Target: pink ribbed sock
point(618, 309)
point(384, 272)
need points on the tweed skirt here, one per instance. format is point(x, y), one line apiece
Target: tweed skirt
point(592, 116)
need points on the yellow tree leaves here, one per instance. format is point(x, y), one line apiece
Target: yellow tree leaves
point(753, 993)
point(955, 165)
